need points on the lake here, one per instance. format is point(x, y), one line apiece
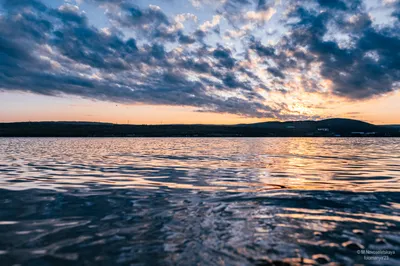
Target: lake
point(199, 201)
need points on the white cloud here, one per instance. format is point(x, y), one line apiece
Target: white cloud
point(211, 24)
point(260, 16)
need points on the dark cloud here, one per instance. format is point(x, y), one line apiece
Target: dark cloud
point(263, 4)
point(200, 34)
point(25, 26)
point(335, 4)
point(69, 14)
point(231, 81)
point(87, 45)
point(276, 72)
point(364, 69)
point(158, 51)
point(197, 66)
point(234, 5)
point(396, 12)
point(186, 39)
point(135, 16)
point(260, 49)
point(224, 57)
point(13, 5)
point(150, 21)
point(11, 53)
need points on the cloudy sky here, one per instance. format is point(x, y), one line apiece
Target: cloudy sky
point(199, 61)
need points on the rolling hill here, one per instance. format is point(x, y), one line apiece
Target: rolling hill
point(336, 127)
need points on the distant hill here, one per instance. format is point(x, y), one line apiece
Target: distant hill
point(336, 127)
point(333, 124)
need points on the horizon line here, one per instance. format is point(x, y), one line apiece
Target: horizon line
point(188, 124)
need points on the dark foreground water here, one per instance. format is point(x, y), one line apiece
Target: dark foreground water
point(178, 201)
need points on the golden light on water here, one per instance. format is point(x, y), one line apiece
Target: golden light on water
point(259, 165)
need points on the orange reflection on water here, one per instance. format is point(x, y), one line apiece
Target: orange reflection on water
point(209, 164)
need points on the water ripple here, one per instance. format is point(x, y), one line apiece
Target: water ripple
point(199, 201)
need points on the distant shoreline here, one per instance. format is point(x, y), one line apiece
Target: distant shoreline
point(336, 127)
point(187, 137)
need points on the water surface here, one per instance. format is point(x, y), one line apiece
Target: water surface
point(204, 201)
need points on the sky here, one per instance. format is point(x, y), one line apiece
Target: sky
point(199, 61)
